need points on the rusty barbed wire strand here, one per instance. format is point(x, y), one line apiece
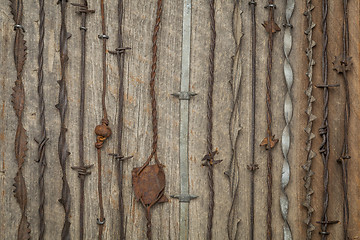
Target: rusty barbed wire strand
point(324, 129)
point(234, 125)
point(119, 51)
point(311, 117)
point(269, 141)
point(253, 166)
point(342, 64)
point(149, 180)
point(18, 100)
point(43, 138)
point(288, 112)
point(208, 159)
point(102, 131)
point(82, 169)
point(62, 107)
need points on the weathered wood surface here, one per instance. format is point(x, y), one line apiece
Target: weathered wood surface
point(138, 25)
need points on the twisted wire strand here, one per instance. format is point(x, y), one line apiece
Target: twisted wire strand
point(62, 107)
point(342, 64)
point(234, 125)
point(158, 165)
point(269, 142)
point(82, 169)
point(288, 112)
point(311, 117)
point(324, 129)
point(209, 144)
point(152, 81)
point(119, 51)
point(18, 100)
point(43, 138)
point(102, 131)
point(153, 101)
point(120, 60)
point(253, 166)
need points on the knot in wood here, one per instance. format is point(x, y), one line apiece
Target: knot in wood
point(102, 132)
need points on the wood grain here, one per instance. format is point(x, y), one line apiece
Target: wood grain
point(138, 25)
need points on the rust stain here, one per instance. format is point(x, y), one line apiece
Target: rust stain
point(136, 79)
point(147, 109)
point(3, 110)
point(129, 98)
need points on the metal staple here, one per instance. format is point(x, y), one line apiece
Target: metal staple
point(62, 107)
point(311, 117)
point(342, 64)
point(234, 125)
point(269, 141)
point(324, 129)
point(43, 138)
point(18, 100)
point(288, 112)
point(82, 169)
point(119, 51)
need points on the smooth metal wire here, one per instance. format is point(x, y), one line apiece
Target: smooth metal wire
point(102, 131)
point(288, 112)
point(311, 117)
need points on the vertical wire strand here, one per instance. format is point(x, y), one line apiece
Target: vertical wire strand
point(342, 64)
point(18, 100)
point(288, 112)
point(62, 107)
point(43, 138)
point(309, 126)
point(82, 169)
point(234, 125)
point(269, 142)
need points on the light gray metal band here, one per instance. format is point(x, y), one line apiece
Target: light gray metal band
point(288, 112)
point(184, 94)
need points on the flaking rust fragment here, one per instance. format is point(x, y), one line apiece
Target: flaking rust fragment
point(149, 185)
point(18, 100)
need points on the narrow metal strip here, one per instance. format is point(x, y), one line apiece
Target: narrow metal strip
point(184, 122)
point(288, 112)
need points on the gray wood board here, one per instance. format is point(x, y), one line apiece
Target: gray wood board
point(138, 25)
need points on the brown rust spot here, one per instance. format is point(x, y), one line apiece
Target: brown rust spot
point(149, 185)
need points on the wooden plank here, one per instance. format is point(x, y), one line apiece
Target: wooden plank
point(138, 25)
